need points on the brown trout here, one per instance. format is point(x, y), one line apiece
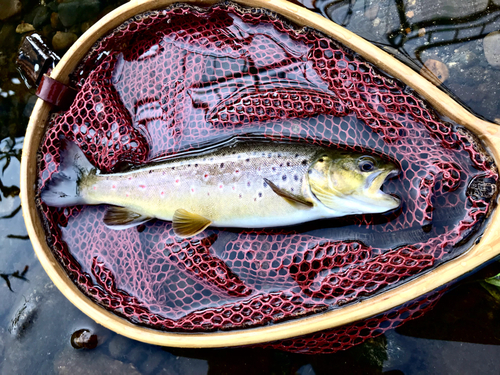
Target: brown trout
point(251, 184)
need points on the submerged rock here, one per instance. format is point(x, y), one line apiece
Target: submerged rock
point(435, 71)
point(24, 27)
point(62, 40)
point(9, 8)
point(83, 339)
point(24, 317)
point(73, 362)
point(491, 45)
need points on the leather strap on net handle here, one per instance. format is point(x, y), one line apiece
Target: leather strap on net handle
point(55, 92)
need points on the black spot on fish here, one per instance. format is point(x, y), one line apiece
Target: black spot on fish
point(260, 194)
point(296, 178)
point(196, 165)
point(304, 162)
point(248, 183)
point(287, 163)
point(269, 155)
point(222, 165)
point(283, 178)
point(265, 184)
point(296, 155)
point(151, 171)
point(247, 160)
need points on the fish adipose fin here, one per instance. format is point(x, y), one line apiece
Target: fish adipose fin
point(293, 198)
point(62, 189)
point(118, 218)
point(187, 224)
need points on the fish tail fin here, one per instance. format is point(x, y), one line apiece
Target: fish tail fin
point(62, 190)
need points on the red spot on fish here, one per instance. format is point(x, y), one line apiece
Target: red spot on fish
point(142, 186)
point(237, 171)
point(234, 188)
point(177, 181)
point(162, 193)
point(220, 186)
point(192, 190)
point(95, 187)
point(126, 195)
point(113, 187)
point(206, 175)
point(130, 178)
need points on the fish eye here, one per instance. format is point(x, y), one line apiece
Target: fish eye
point(366, 164)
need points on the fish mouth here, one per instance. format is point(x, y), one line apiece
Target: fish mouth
point(375, 194)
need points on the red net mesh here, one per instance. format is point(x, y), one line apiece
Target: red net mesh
point(171, 80)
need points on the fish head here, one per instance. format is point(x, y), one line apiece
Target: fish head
point(351, 183)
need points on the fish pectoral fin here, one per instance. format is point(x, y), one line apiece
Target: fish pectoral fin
point(187, 224)
point(328, 199)
point(293, 198)
point(118, 218)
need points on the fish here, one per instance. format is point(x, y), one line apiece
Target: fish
point(237, 183)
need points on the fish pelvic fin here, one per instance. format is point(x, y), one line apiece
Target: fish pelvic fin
point(62, 190)
point(187, 224)
point(118, 218)
point(292, 198)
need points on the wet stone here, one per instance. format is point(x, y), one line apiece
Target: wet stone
point(372, 12)
point(491, 45)
point(77, 362)
point(24, 317)
point(9, 8)
point(83, 339)
point(42, 16)
point(62, 40)
point(152, 363)
point(24, 27)
point(119, 346)
point(73, 12)
point(435, 71)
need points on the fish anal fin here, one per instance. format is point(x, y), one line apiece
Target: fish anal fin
point(188, 224)
point(293, 198)
point(118, 218)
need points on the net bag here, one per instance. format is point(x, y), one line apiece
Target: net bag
point(175, 79)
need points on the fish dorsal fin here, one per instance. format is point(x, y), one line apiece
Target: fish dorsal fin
point(289, 196)
point(187, 224)
point(118, 218)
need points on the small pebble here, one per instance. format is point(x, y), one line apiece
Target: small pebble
point(55, 22)
point(83, 338)
point(24, 27)
point(421, 32)
point(62, 40)
point(435, 71)
point(372, 12)
point(491, 46)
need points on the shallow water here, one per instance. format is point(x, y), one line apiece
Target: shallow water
point(36, 321)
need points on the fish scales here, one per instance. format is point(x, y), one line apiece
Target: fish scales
point(226, 186)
